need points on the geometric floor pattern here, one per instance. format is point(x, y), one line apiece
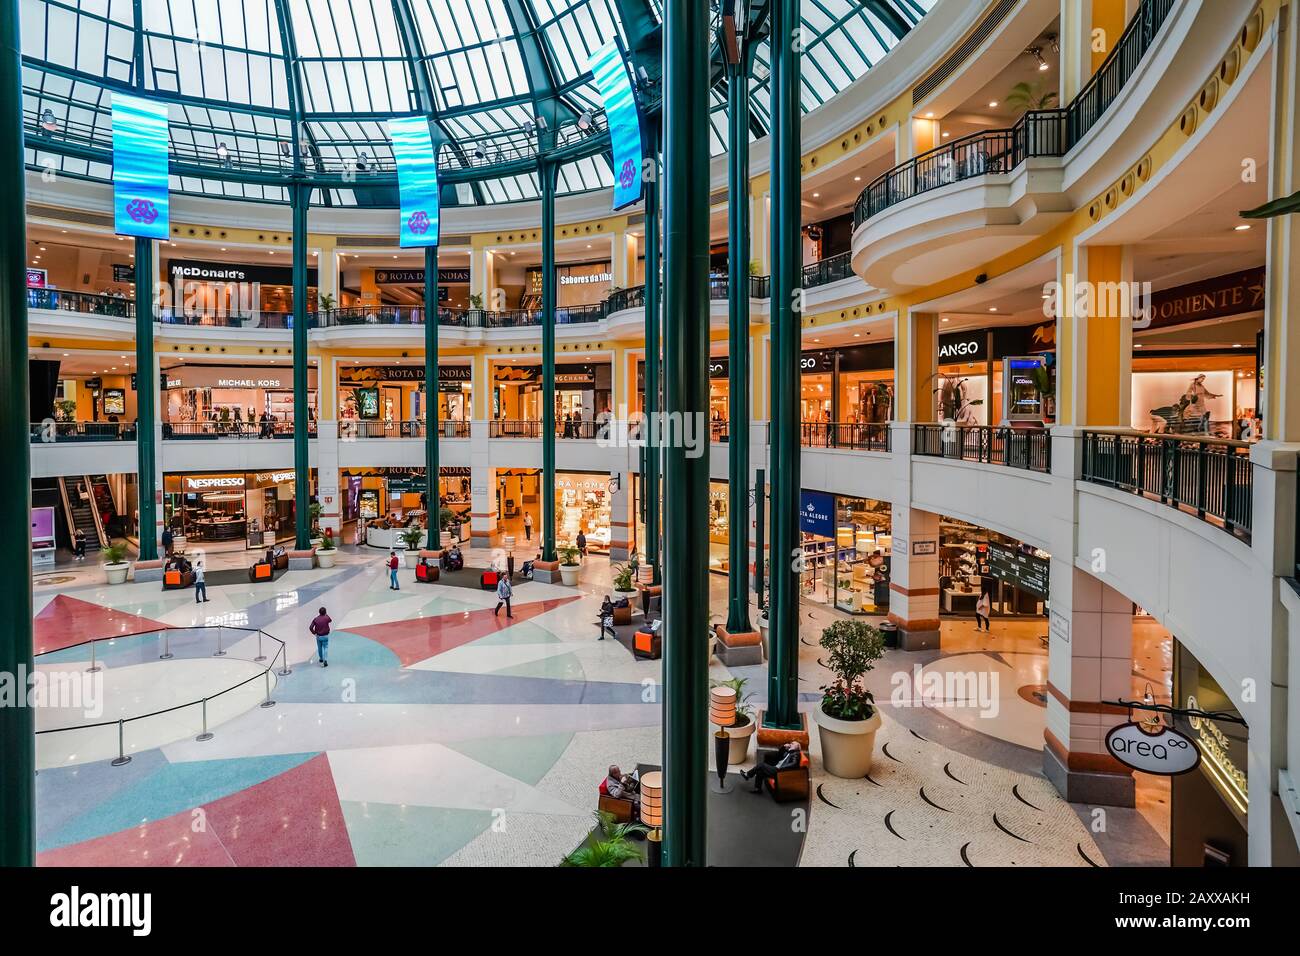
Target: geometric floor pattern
point(442, 734)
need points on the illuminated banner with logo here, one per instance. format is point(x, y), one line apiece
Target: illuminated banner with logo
point(417, 180)
point(140, 203)
point(610, 72)
point(817, 514)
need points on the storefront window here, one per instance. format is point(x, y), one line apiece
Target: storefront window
point(252, 509)
point(212, 399)
point(1208, 394)
point(582, 503)
point(847, 547)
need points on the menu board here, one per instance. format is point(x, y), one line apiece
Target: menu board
point(1028, 572)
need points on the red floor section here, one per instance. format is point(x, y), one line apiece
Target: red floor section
point(418, 640)
point(67, 620)
point(293, 819)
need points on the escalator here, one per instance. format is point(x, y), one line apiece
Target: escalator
point(110, 522)
point(76, 497)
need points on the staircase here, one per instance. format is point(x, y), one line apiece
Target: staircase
point(80, 512)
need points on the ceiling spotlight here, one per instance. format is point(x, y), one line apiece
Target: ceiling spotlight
point(1037, 53)
point(479, 154)
point(1054, 42)
point(642, 76)
point(285, 149)
point(584, 120)
point(222, 151)
point(48, 122)
point(363, 160)
point(530, 127)
point(541, 122)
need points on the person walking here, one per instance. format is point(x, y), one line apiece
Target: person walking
point(528, 526)
point(392, 572)
point(581, 543)
point(504, 592)
point(200, 585)
point(320, 626)
point(79, 545)
point(167, 539)
point(982, 608)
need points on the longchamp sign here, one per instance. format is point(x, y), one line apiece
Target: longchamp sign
point(1166, 752)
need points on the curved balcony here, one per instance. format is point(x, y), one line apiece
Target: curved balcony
point(1028, 448)
point(1041, 133)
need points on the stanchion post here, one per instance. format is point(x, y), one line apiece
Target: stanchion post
point(206, 735)
point(260, 656)
point(268, 702)
point(220, 630)
point(285, 670)
point(93, 668)
point(122, 758)
point(166, 655)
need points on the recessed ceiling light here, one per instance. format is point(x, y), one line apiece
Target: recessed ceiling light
point(857, 179)
point(929, 116)
point(993, 104)
point(1137, 345)
point(993, 308)
point(946, 134)
point(944, 319)
point(1243, 227)
point(1236, 345)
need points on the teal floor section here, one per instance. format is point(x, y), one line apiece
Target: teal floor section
point(385, 834)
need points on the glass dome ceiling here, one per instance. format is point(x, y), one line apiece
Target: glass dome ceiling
point(246, 78)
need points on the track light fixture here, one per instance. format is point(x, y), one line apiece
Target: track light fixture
point(48, 122)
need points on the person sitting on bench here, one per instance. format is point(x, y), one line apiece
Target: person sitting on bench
point(788, 757)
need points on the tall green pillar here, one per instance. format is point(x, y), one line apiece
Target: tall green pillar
point(549, 173)
point(783, 628)
point(300, 196)
point(146, 401)
point(650, 487)
point(432, 392)
point(738, 345)
point(17, 724)
point(686, 396)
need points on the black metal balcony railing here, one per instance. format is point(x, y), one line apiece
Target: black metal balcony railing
point(52, 432)
point(1027, 448)
point(826, 271)
point(855, 436)
point(231, 430)
point(351, 429)
point(1038, 133)
point(91, 303)
point(509, 428)
point(1211, 478)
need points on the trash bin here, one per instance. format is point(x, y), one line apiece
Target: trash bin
point(890, 630)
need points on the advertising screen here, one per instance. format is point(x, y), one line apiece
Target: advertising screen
point(610, 72)
point(417, 180)
point(140, 202)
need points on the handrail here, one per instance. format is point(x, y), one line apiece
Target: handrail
point(230, 429)
point(100, 531)
point(828, 270)
point(854, 436)
point(1027, 448)
point(1211, 477)
point(51, 432)
point(120, 722)
point(1038, 133)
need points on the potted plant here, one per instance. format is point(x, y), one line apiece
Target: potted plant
point(847, 717)
point(411, 538)
point(743, 728)
point(624, 575)
point(609, 845)
point(326, 301)
point(116, 567)
point(445, 518)
point(326, 552)
point(569, 565)
point(1026, 97)
point(476, 301)
point(314, 512)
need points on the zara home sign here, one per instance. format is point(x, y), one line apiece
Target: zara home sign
point(1166, 752)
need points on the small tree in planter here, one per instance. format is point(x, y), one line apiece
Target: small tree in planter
point(623, 577)
point(847, 717)
point(446, 517)
point(326, 552)
point(116, 567)
point(411, 538)
point(314, 512)
point(743, 728)
point(569, 565)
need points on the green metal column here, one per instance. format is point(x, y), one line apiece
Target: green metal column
point(650, 484)
point(300, 195)
point(549, 173)
point(432, 391)
point(686, 398)
point(738, 345)
point(146, 401)
point(17, 724)
point(783, 668)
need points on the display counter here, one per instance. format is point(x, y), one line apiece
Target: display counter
point(390, 538)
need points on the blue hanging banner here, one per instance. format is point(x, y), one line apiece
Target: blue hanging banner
point(417, 180)
point(609, 70)
point(817, 513)
point(140, 202)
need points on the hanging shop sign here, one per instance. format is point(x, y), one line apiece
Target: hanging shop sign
point(141, 206)
point(114, 400)
point(609, 69)
point(416, 277)
point(369, 374)
point(188, 270)
point(1237, 293)
point(1026, 571)
point(417, 180)
point(37, 278)
point(719, 367)
point(588, 278)
point(1160, 750)
point(817, 514)
point(123, 273)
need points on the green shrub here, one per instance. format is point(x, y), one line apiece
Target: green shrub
point(853, 648)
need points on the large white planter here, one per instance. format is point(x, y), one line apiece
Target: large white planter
point(569, 574)
point(325, 558)
point(738, 747)
point(117, 572)
point(412, 558)
point(445, 540)
point(847, 745)
point(630, 595)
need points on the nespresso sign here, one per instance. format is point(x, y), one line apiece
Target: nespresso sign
point(416, 276)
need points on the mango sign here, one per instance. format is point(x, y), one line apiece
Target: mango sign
point(1166, 752)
